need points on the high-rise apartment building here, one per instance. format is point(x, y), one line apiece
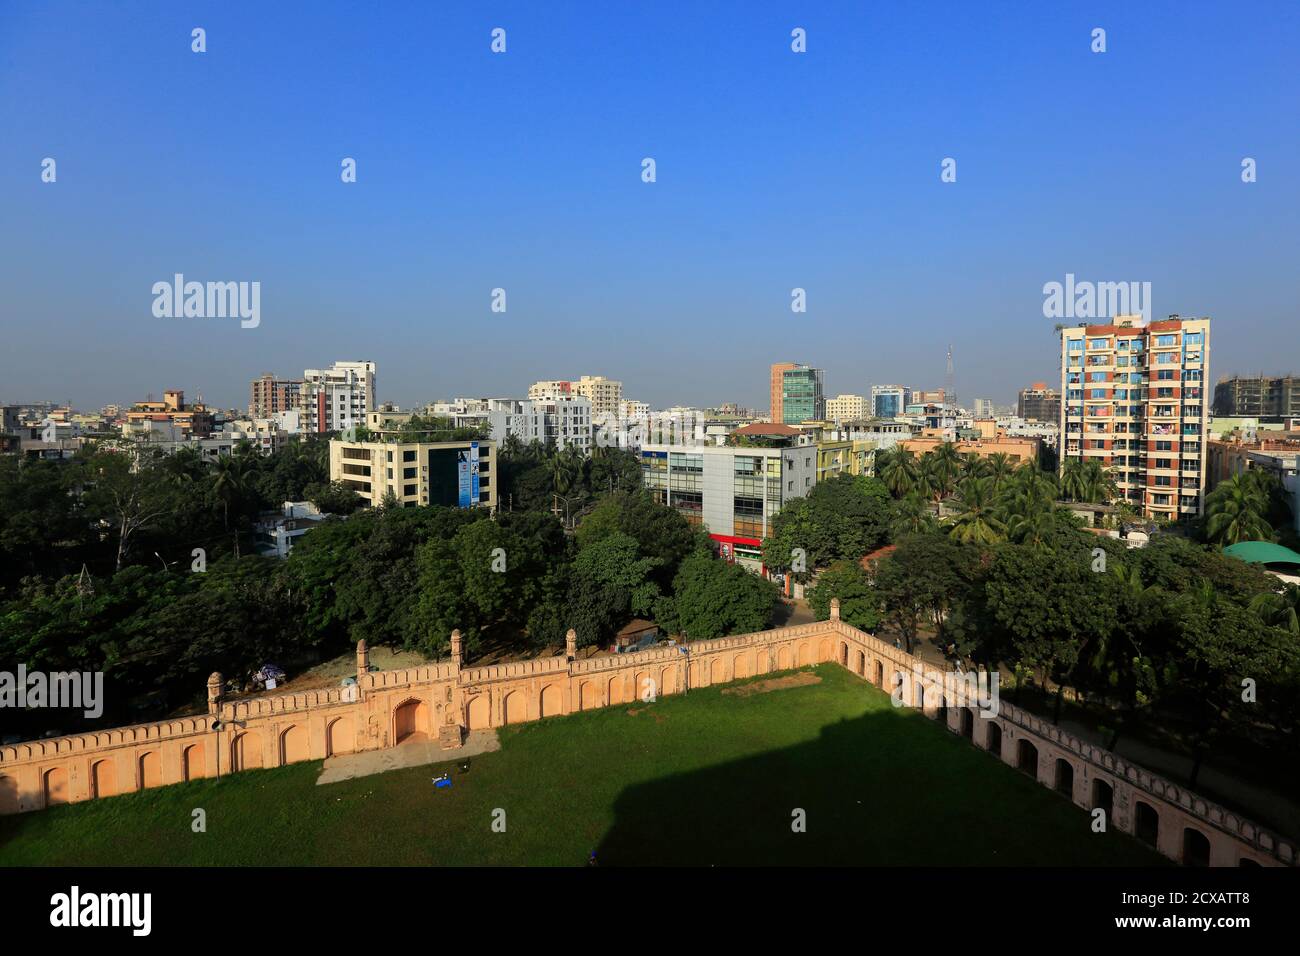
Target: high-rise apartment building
point(802, 399)
point(337, 398)
point(983, 408)
point(605, 395)
point(1038, 403)
point(1134, 400)
point(889, 401)
point(269, 396)
point(1258, 397)
point(776, 389)
point(846, 408)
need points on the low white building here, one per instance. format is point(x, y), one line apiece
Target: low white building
point(565, 421)
point(276, 533)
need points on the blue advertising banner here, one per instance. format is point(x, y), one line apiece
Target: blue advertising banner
point(463, 476)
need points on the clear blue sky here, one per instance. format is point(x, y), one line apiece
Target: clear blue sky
point(522, 170)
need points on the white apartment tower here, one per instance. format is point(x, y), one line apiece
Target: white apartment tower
point(337, 398)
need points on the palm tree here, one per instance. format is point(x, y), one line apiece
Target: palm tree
point(912, 515)
point(898, 470)
point(233, 485)
point(978, 521)
point(930, 482)
point(998, 468)
point(184, 467)
point(947, 464)
point(1235, 512)
point(1280, 609)
point(1072, 480)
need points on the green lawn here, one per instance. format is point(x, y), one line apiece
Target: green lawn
point(700, 779)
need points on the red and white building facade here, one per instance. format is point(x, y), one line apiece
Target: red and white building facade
point(1133, 398)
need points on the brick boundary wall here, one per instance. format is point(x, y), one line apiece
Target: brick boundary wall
point(443, 700)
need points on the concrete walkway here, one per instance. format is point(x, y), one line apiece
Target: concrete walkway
point(414, 754)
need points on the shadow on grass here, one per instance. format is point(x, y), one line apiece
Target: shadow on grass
point(882, 789)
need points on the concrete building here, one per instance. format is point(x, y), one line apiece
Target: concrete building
point(337, 398)
point(456, 473)
point(268, 396)
point(605, 395)
point(731, 492)
point(1134, 401)
point(845, 408)
point(195, 419)
point(565, 422)
point(889, 401)
point(1258, 397)
point(1018, 450)
point(276, 532)
point(984, 408)
point(554, 388)
point(776, 390)
point(1038, 403)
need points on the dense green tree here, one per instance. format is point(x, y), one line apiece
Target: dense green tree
point(714, 598)
point(859, 602)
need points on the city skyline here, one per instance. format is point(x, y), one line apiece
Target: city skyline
point(776, 171)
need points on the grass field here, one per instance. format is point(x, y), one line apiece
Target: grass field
point(702, 779)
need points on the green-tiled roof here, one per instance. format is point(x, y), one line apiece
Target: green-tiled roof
point(1262, 552)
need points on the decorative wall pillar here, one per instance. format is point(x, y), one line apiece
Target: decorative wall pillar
point(214, 692)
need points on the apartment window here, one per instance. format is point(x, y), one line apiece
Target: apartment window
point(408, 455)
point(1162, 340)
point(1098, 343)
point(1074, 345)
point(409, 473)
point(1194, 338)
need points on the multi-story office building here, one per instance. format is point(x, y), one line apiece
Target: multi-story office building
point(338, 398)
point(846, 408)
point(983, 408)
point(889, 401)
point(802, 398)
point(270, 396)
point(1258, 397)
point(1038, 403)
point(564, 422)
point(732, 492)
point(457, 474)
point(1134, 401)
point(776, 389)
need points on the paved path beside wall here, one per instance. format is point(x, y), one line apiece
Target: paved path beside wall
point(351, 766)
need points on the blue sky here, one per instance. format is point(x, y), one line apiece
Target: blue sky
point(522, 171)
